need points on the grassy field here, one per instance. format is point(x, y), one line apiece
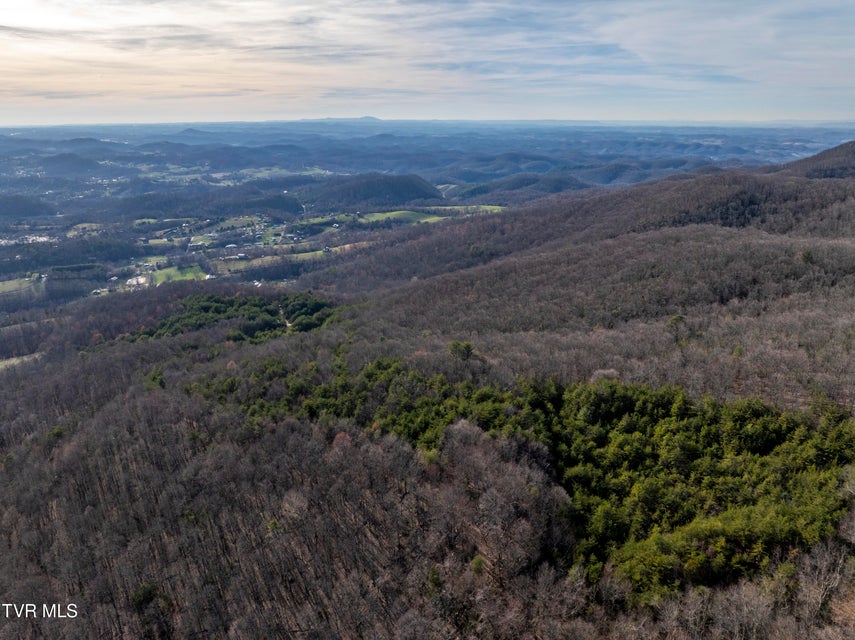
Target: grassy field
point(406, 216)
point(84, 229)
point(238, 222)
point(18, 284)
point(277, 172)
point(173, 274)
point(471, 209)
point(308, 255)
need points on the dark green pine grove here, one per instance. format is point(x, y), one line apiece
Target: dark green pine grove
point(671, 492)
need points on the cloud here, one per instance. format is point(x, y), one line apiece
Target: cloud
point(20, 32)
point(28, 33)
point(755, 41)
point(571, 58)
point(64, 95)
point(371, 93)
point(163, 38)
point(49, 95)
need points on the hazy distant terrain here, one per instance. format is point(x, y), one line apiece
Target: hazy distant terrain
point(269, 201)
point(459, 154)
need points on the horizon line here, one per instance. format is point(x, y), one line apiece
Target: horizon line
point(797, 123)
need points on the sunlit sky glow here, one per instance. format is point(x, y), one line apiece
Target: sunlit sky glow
point(87, 61)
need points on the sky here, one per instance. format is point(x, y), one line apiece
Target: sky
point(103, 61)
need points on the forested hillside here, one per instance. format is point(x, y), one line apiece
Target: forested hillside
point(175, 472)
point(619, 413)
point(729, 283)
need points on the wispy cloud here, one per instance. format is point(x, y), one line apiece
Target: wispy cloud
point(444, 58)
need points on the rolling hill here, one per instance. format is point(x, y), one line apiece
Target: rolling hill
point(759, 266)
